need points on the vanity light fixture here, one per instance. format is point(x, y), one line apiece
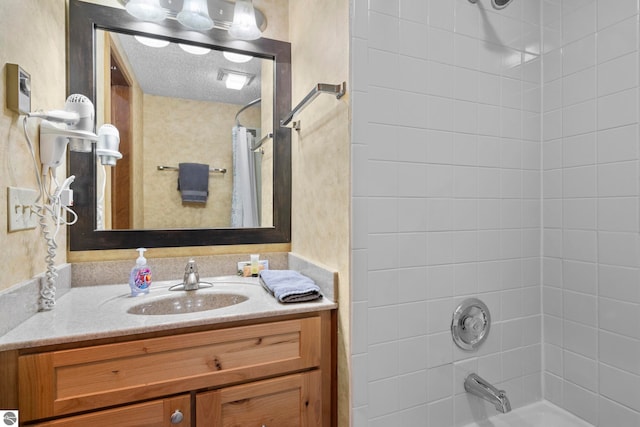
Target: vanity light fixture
point(151, 42)
point(194, 50)
point(244, 25)
point(195, 15)
point(146, 10)
point(235, 80)
point(237, 57)
point(240, 19)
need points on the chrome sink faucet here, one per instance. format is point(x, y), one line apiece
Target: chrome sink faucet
point(478, 386)
point(191, 279)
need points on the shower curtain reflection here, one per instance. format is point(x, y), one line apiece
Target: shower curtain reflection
point(245, 199)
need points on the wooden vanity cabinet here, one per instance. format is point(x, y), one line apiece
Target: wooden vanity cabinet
point(171, 412)
point(278, 372)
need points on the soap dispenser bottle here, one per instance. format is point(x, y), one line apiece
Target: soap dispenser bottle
point(140, 277)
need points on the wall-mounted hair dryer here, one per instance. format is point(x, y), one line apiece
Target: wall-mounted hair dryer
point(73, 126)
point(57, 116)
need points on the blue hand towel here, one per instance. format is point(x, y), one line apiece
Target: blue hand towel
point(193, 182)
point(289, 286)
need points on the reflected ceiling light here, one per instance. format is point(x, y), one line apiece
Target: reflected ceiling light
point(237, 57)
point(195, 15)
point(244, 25)
point(235, 79)
point(147, 10)
point(195, 50)
point(148, 41)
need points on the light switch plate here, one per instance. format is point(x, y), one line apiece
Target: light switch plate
point(21, 209)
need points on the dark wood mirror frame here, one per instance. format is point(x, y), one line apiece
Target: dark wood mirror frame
point(83, 20)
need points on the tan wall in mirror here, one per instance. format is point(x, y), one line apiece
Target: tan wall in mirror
point(39, 50)
point(137, 174)
point(319, 32)
point(187, 131)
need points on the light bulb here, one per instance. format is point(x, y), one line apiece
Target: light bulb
point(244, 25)
point(194, 50)
point(237, 57)
point(151, 42)
point(195, 15)
point(147, 10)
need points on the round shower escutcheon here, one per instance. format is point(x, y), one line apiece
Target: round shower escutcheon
point(470, 324)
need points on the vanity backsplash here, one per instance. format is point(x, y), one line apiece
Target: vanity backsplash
point(113, 272)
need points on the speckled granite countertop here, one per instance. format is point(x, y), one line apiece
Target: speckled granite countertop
point(93, 312)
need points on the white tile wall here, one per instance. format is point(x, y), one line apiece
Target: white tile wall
point(483, 169)
point(447, 188)
point(591, 352)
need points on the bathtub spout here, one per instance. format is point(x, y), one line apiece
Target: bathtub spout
point(478, 386)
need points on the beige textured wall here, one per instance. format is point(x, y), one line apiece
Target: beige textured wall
point(32, 34)
point(179, 131)
point(319, 32)
point(277, 14)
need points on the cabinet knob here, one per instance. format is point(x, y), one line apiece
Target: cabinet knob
point(177, 417)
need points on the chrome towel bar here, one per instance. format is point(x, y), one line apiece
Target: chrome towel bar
point(173, 168)
point(338, 90)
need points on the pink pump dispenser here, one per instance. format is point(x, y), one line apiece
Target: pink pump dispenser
point(140, 277)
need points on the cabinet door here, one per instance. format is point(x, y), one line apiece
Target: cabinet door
point(291, 401)
point(159, 413)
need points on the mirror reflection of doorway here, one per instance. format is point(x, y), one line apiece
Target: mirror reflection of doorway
point(121, 118)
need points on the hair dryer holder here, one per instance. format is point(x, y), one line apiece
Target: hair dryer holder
point(54, 140)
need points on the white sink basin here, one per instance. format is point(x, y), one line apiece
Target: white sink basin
point(187, 302)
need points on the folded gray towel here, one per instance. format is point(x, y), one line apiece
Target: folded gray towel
point(193, 182)
point(289, 286)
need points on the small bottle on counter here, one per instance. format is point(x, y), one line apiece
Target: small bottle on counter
point(140, 277)
point(255, 265)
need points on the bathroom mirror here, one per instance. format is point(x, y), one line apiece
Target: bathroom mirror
point(88, 24)
point(172, 105)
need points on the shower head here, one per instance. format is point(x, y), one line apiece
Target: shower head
point(497, 4)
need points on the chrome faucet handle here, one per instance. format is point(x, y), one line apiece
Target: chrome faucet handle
point(191, 277)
